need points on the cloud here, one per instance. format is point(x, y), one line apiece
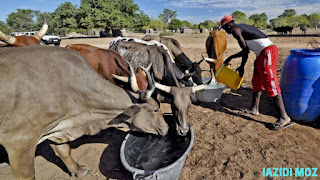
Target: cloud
point(272, 8)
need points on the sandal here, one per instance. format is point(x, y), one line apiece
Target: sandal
point(277, 126)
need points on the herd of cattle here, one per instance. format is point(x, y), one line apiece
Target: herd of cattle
point(60, 94)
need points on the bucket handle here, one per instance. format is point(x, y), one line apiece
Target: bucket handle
point(143, 176)
point(219, 70)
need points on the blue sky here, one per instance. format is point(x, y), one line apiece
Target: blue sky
point(194, 11)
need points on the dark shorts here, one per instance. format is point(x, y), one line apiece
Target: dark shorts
point(265, 72)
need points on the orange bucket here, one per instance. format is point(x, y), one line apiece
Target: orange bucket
point(229, 77)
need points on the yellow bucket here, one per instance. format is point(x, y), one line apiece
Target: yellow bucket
point(229, 77)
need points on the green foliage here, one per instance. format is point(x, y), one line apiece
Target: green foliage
point(207, 24)
point(290, 18)
point(259, 20)
point(141, 20)
point(156, 23)
point(315, 19)
point(64, 18)
point(168, 15)
point(4, 27)
point(186, 24)
point(303, 21)
point(166, 33)
point(239, 17)
point(110, 13)
point(22, 20)
point(175, 24)
point(288, 13)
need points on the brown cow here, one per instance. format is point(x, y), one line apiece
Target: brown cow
point(24, 40)
point(110, 65)
point(216, 45)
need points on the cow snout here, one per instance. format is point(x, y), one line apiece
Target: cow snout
point(182, 131)
point(164, 130)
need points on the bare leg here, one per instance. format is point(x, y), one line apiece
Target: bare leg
point(255, 102)
point(254, 109)
point(284, 119)
point(63, 151)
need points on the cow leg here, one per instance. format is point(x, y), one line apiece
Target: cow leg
point(21, 160)
point(63, 151)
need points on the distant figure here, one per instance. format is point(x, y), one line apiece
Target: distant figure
point(283, 30)
point(303, 28)
point(265, 66)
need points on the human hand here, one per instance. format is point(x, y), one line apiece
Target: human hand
point(240, 69)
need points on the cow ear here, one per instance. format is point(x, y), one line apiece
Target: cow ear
point(126, 116)
point(132, 110)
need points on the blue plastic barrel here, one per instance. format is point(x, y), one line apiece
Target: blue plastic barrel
point(300, 84)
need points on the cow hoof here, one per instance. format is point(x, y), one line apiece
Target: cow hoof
point(194, 98)
point(85, 171)
point(3, 165)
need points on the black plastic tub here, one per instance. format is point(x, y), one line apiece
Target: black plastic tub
point(154, 157)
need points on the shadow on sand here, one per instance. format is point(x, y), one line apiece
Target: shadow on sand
point(237, 100)
point(110, 165)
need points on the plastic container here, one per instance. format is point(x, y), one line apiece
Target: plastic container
point(229, 77)
point(130, 149)
point(212, 92)
point(300, 84)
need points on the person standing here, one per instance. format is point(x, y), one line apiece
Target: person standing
point(265, 66)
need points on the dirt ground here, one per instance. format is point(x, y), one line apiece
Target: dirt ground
point(227, 145)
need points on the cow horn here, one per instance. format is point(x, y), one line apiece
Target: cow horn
point(148, 67)
point(121, 78)
point(150, 83)
point(133, 79)
point(7, 39)
point(209, 59)
point(200, 87)
point(43, 29)
point(163, 87)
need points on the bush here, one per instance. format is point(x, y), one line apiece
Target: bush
point(166, 33)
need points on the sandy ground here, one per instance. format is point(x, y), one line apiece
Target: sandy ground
point(227, 145)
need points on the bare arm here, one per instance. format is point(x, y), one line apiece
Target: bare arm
point(243, 53)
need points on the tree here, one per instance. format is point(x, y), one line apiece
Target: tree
point(141, 20)
point(288, 13)
point(64, 17)
point(108, 13)
point(22, 20)
point(239, 17)
point(315, 19)
point(4, 27)
point(303, 21)
point(168, 15)
point(175, 24)
point(186, 24)
point(259, 20)
point(156, 23)
point(207, 24)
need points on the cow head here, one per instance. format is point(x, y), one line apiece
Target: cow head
point(138, 81)
point(216, 45)
point(195, 67)
point(143, 118)
point(25, 40)
point(181, 60)
point(180, 103)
